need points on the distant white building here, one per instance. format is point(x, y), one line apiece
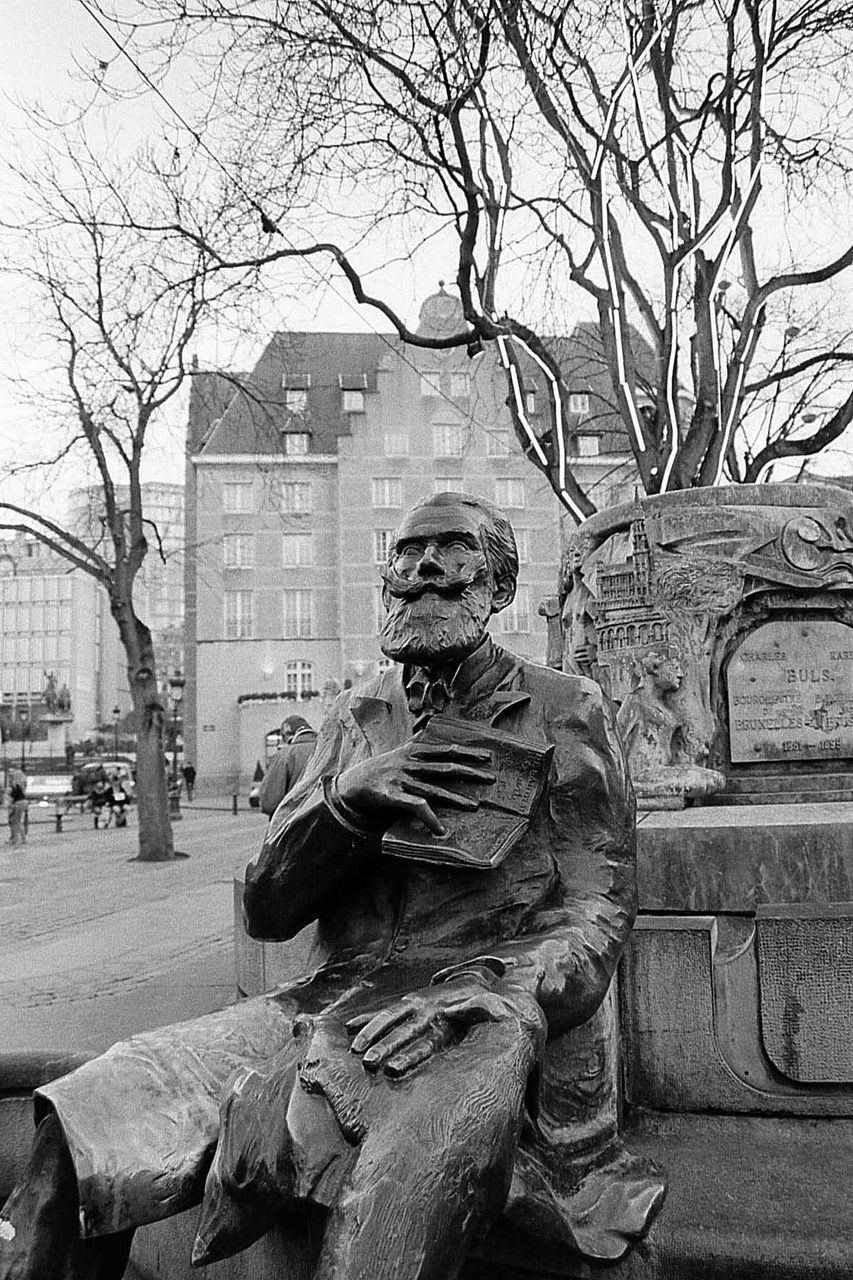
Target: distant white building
point(55, 620)
point(159, 588)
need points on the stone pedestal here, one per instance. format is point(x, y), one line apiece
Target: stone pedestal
point(720, 621)
point(57, 723)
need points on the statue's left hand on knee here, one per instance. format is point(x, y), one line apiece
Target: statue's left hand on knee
point(419, 1025)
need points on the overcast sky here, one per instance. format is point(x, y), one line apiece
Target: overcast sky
point(47, 50)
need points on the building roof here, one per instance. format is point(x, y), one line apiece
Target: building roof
point(249, 414)
point(323, 364)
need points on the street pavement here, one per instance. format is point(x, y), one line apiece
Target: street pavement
point(95, 946)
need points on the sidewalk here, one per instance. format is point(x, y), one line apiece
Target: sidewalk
point(94, 946)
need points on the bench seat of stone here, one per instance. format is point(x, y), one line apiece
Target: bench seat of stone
point(749, 1199)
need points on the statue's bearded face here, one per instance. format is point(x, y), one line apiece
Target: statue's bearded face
point(439, 590)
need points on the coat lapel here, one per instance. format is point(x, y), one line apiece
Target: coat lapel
point(383, 721)
point(497, 691)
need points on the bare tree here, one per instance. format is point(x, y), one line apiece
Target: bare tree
point(643, 154)
point(117, 312)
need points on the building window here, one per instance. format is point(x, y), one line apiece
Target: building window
point(430, 382)
point(579, 403)
point(295, 443)
point(382, 539)
point(238, 550)
point(530, 403)
point(497, 444)
point(449, 484)
point(238, 615)
point(448, 440)
point(298, 615)
point(295, 496)
point(509, 492)
point(387, 491)
point(522, 542)
point(587, 446)
point(352, 401)
point(299, 678)
point(460, 385)
point(516, 616)
point(396, 444)
point(237, 497)
point(296, 549)
point(296, 401)
point(378, 610)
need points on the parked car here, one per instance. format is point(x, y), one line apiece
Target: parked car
point(86, 775)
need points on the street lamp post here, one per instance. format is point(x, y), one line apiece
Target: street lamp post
point(176, 688)
point(116, 718)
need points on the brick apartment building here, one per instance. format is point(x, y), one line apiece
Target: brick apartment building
point(296, 477)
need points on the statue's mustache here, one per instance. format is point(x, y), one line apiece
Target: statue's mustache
point(450, 584)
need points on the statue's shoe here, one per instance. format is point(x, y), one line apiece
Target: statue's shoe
point(601, 1217)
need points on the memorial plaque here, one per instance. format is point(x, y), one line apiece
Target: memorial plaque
point(790, 688)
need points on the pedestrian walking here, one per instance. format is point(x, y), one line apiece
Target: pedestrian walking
point(18, 810)
point(189, 778)
point(102, 799)
point(298, 740)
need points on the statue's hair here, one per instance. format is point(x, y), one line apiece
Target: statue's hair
point(498, 538)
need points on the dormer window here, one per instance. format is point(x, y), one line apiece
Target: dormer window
point(295, 387)
point(352, 400)
point(296, 400)
point(579, 403)
point(353, 386)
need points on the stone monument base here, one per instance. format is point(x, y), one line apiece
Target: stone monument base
point(749, 1199)
point(57, 731)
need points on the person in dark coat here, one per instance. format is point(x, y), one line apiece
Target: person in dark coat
point(101, 800)
point(446, 1058)
point(298, 741)
point(17, 808)
point(189, 778)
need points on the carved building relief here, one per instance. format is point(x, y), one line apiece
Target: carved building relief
point(688, 576)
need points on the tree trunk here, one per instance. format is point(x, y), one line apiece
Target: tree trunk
point(152, 796)
point(156, 843)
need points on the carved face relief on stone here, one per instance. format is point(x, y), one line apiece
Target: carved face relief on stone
point(665, 671)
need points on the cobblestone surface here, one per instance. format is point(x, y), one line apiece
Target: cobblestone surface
point(94, 946)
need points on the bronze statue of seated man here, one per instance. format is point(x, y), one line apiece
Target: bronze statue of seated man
point(404, 1083)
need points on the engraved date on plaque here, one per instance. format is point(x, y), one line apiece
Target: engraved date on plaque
point(790, 688)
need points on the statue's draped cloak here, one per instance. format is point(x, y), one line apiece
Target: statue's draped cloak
point(143, 1119)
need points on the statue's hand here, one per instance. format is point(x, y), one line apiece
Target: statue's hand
point(421, 1024)
point(410, 778)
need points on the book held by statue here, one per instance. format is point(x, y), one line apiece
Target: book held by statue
point(478, 838)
